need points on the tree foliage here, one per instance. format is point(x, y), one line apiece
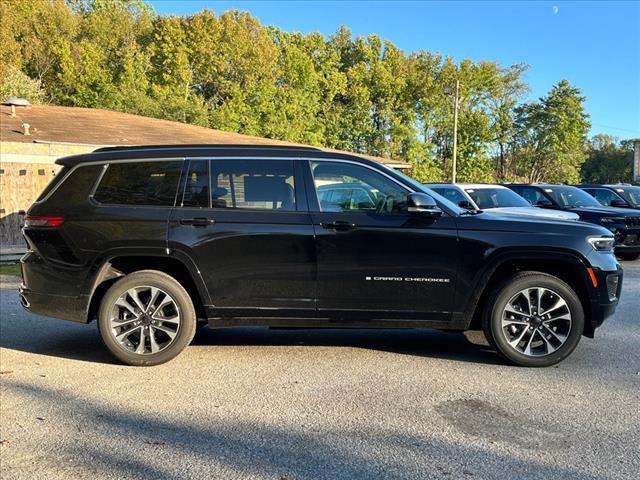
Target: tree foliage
point(230, 72)
point(608, 161)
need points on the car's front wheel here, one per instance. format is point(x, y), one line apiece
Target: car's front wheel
point(146, 318)
point(534, 319)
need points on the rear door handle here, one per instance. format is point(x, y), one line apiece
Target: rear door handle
point(197, 222)
point(339, 225)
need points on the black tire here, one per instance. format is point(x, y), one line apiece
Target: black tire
point(628, 256)
point(497, 302)
point(168, 284)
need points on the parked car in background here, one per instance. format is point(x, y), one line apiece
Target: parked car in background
point(619, 196)
point(151, 241)
point(624, 223)
point(338, 197)
point(497, 198)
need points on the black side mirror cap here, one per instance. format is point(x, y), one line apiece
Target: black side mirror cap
point(466, 204)
point(616, 202)
point(423, 205)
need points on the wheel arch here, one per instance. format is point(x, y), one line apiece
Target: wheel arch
point(568, 267)
point(118, 264)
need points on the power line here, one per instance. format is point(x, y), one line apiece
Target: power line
point(615, 128)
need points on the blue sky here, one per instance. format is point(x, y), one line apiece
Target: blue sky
point(594, 45)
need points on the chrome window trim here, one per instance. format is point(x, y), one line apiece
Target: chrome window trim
point(310, 158)
point(106, 163)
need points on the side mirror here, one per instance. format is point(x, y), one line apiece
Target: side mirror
point(466, 204)
point(423, 204)
point(543, 204)
point(616, 202)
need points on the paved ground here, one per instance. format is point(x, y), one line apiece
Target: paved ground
point(244, 403)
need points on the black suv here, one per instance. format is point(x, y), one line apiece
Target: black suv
point(623, 223)
point(618, 196)
point(153, 241)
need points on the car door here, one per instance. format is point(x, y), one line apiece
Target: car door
point(246, 225)
point(374, 257)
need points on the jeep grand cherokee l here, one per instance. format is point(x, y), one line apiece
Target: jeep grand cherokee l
point(623, 223)
point(152, 241)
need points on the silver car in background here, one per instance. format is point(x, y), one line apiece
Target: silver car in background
point(497, 198)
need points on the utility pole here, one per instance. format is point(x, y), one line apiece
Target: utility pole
point(455, 133)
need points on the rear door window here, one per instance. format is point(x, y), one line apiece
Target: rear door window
point(196, 188)
point(253, 184)
point(152, 183)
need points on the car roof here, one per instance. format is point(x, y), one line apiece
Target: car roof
point(476, 186)
point(536, 185)
point(204, 150)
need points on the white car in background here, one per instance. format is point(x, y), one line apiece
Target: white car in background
point(496, 198)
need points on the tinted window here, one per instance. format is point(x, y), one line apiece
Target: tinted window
point(532, 195)
point(451, 194)
point(496, 197)
point(604, 196)
point(356, 188)
point(568, 197)
point(53, 182)
point(76, 187)
point(140, 183)
point(196, 186)
point(632, 194)
point(253, 184)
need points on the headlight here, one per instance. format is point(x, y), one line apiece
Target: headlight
point(602, 244)
point(612, 219)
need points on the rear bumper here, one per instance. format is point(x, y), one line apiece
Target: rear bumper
point(58, 306)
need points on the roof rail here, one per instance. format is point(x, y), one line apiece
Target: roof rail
point(205, 145)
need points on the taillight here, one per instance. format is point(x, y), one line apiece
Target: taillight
point(43, 221)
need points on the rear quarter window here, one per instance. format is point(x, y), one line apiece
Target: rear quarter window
point(54, 182)
point(71, 188)
point(140, 183)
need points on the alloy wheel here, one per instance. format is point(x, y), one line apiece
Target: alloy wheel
point(145, 320)
point(536, 321)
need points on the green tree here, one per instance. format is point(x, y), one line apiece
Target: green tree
point(608, 161)
point(551, 136)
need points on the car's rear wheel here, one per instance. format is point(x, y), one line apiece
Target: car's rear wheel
point(146, 318)
point(534, 319)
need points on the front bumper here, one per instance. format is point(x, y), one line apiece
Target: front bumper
point(627, 241)
point(605, 298)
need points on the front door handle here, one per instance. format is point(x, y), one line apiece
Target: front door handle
point(197, 222)
point(341, 226)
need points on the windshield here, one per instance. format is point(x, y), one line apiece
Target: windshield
point(632, 194)
point(496, 197)
point(418, 187)
point(569, 197)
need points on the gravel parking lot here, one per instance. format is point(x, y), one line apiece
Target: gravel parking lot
point(299, 404)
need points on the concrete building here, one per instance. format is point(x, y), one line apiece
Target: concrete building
point(33, 137)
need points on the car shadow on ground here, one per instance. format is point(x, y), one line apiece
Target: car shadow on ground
point(469, 347)
point(46, 336)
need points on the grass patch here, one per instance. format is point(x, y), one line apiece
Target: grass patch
point(10, 269)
